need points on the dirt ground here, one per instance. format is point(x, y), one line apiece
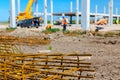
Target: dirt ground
point(105, 50)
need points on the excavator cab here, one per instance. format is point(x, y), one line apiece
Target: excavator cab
point(29, 23)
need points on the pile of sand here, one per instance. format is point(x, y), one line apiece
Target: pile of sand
point(26, 33)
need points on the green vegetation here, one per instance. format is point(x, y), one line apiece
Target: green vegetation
point(48, 22)
point(10, 29)
point(116, 22)
point(73, 22)
point(52, 30)
point(50, 48)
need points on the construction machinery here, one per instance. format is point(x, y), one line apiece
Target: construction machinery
point(26, 19)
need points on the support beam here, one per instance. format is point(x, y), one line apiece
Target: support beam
point(110, 12)
point(77, 11)
point(18, 2)
point(51, 11)
point(85, 16)
point(45, 13)
point(71, 4)
point(96, 11)
point(12, 14)
point(36, 7)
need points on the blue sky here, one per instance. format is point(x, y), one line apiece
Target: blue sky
point(59, 6)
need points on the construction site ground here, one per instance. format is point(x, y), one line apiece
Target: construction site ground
point(105, 50)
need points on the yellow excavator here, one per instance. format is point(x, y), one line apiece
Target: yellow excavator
point(27, 14)
point(26, 19)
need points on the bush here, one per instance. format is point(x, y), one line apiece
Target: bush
point(52, 30)
point(10, 29)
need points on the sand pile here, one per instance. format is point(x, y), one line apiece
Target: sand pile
point(26, 33)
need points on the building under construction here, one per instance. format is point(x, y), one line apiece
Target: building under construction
point(85, 12)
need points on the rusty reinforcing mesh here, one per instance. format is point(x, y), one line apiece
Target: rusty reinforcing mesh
point(42, 66)
point(23, 41)
point(45, 66)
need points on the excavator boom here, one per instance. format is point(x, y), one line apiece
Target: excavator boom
point(27, 14)
point(29, 6)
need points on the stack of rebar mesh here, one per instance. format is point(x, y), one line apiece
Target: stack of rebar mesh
point(24, 41)
point(43, 66)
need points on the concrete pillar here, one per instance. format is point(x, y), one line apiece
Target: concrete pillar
point(18, 2)
point(96, 11)
point(71, 4)
point(45, 13)
point(36, 7)
point(116, 11)
point(12, 14)
point(104, 10)
point(117, 15)
point(63, 15)
point(77, 11)
point(51, 11)
point(110, 12)
point(85, 17)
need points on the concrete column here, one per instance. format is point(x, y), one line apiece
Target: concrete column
point(63, 15)
point(51, 11)
point(77, 11)
point(96, 11)
point(85, 17)
point(71, 4)
point(12, 14)
point(36, 7)
point(116, 11)
point(18, 1)
point(117, 15)
point(104, 10)
point(110, 12)
point(45, 13)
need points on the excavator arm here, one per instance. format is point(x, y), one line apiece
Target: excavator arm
point(27, 14)
point(28, 8)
